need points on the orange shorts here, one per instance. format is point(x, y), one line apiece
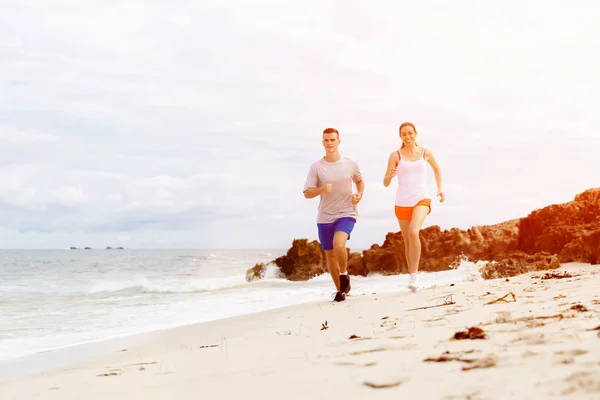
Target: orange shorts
point(405, 213)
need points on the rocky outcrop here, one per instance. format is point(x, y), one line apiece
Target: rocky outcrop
point(442, 250)
point(305, 260)
point(570, 230)
point(542, 240)
point(256, 273)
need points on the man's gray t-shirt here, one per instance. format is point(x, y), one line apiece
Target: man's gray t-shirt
point(341, 174)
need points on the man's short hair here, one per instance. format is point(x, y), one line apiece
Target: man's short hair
point(331, 130)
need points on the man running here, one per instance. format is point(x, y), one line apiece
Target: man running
point(331, 178)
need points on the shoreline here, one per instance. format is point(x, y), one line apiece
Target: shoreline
point(97, 342)
point(267, 352)
point(20, 366)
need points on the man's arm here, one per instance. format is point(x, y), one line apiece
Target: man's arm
point(360, 187)
point(311, 186)
point(313, 192)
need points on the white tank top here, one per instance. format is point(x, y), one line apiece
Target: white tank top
point(412, 181)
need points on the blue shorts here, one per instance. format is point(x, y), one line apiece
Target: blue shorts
point(327, 231)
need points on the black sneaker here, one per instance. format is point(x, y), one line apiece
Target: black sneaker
point(345, 283)
point(339, 296)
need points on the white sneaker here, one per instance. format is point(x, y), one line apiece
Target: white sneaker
point(413, 285)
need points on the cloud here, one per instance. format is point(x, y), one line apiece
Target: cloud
point(188, 124)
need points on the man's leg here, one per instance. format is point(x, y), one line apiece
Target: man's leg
point(334, 269)
point(341, 256)
point(343, 229)
point(339, 249)
point(326, 232)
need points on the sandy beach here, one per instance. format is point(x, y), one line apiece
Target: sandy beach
point(535, 335)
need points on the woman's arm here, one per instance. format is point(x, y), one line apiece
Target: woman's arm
point(430, 158)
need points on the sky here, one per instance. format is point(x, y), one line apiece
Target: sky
point(186, 124)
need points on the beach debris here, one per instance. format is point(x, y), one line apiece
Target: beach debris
point(503, 298)
point(448, 301)
point(206, 346)
point(114, 372)
point(595, 329)
point(487, 362)
point(375, 350)
point(531, 318)
point(560, 296)
point(554, 275)
point(324, 326)
point(359, 337)
point(449, 356)
point(120, 351)
point(579, 307)
point(472, 333)
point(386, 317)
point(383, 385)
point(141, 365)
point(473, 363)
point(285, 333)
point(54, 388)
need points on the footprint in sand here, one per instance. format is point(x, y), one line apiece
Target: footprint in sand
point(383, 385)
point(583, 381)
point(351, 364)
point(388, 323)
point(392, 323)
point(568, 356)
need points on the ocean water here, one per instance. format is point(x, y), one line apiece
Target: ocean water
point(61, 298)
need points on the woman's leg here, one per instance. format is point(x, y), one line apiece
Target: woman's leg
point(404, 226)
point(414, 228)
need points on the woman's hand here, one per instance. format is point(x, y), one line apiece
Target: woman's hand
point(441, 196)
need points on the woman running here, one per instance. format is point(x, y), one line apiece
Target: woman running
point(413, 202)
